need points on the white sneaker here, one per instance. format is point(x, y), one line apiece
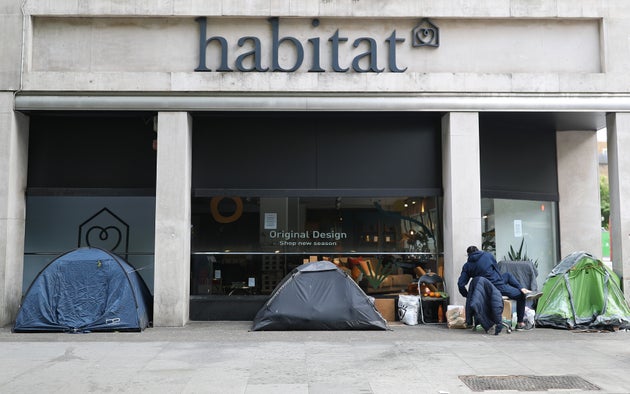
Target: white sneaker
point(533, 295)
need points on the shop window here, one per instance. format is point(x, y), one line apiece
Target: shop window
point(521, 229)
point(91, 154)
point(59, 224)
point(246, 245)
point(91, 182)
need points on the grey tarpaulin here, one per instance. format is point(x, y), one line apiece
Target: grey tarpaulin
point(318, 296)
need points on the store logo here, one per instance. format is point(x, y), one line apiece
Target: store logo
point(426, 34)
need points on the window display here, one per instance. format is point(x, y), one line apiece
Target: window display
point(246, 245)
point(521, 230)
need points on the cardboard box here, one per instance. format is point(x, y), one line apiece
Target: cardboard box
point(386, 307)
point(507, 310)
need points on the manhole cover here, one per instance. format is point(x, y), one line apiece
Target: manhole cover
point(526, 383)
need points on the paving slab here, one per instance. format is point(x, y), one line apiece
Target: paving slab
point(226, 357)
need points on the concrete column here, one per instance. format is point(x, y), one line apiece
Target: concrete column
point(461, 179)
point(11, 22)
point(578, 187)
point(618, 125)
point(13, 167)
point(172, 220)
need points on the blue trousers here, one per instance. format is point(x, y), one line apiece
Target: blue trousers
point(512, 290)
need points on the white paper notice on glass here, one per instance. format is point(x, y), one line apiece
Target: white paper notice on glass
point(271, 221)
point(251, 282)
point(518, 228)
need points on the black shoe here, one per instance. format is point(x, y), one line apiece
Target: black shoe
point(497, 329)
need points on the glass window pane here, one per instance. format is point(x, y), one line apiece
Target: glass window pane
point(521, 229)
point(248, 244)
point(57, 224)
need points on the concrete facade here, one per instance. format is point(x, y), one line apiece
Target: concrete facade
point(172, 219)
point(13, 162)
point(12, 22)
point(462, 192)
point(496, 55)
point(579, 205)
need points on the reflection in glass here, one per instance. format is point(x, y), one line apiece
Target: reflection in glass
point(528, 227)
point(246, 245)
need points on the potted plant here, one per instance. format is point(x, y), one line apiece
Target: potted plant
point(375, 273)
point(526, 272)
point(520, 254)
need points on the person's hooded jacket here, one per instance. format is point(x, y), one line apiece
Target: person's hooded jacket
point(482, 264)
point(484, 305)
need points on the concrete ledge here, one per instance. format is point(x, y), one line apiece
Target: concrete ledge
point(468, 103)
point(401, 8)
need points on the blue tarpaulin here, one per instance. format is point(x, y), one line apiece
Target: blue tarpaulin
point(87, 289)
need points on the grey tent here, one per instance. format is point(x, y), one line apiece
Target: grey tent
point(318, 296)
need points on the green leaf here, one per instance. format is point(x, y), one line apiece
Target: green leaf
point(378, 274)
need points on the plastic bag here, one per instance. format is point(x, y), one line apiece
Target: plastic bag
point(408, 306)
point(455, 316)
point(529, 317)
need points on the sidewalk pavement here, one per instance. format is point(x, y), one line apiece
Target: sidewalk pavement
point(225, 357)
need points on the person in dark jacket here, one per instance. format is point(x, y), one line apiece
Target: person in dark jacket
point(484, 305)
point(483, 264)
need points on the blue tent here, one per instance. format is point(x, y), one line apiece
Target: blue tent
point(87, 289)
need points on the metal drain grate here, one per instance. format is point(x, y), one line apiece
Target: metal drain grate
point(527, 383)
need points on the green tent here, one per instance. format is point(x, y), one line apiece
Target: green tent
point(581, 292)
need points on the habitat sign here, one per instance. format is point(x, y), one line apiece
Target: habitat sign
point(285, 53)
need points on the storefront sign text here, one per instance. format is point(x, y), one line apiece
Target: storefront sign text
point(423, 35)
point(307, 238)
